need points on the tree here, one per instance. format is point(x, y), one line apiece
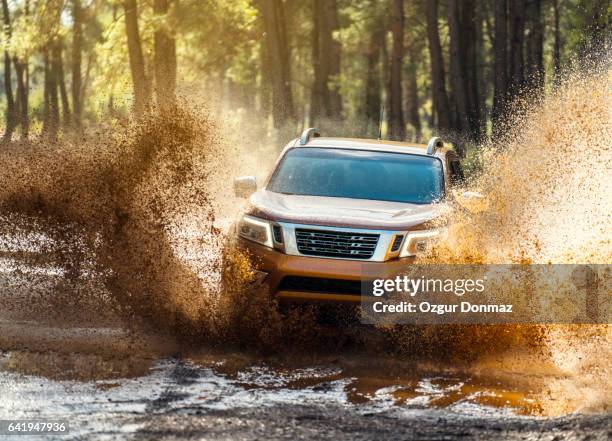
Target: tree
point(77, 48)
point(438, 81)
point(140, 80)
point(278, 67)
point(557, 38)
point(11, 110)
point(464, 67)
point(58, 73)
point(500, 63)
point(479, 89)
point(412, 94)
point(516, 62)
point(319, 84)
point(373, 83)
point(473, 49)
point(534, 66)
point(325, 97)
point(165, 57)
point(397, 124)
point(51, 101)
point(21, 71)
point(332, 24)
point(457, 68)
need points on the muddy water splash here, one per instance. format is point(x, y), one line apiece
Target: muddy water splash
point(547, 199)
point(110, 208)
point(547, 183)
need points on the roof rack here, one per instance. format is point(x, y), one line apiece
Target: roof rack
point(433, 144)
point(308, 134)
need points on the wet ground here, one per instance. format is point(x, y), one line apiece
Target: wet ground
point(107, 383)
point(182, 399)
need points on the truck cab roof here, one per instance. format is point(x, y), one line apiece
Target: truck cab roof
point(368, 144)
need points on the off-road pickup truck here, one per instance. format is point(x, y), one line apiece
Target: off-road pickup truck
point(334, 206)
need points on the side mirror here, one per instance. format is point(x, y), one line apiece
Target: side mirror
point(245, 186)
point(472, 201)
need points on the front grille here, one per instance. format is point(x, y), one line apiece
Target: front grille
point(321, 285)
point(335, 243)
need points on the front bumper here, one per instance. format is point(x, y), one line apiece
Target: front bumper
point(282, 267)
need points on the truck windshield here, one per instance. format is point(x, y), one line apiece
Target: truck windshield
point(359, 174)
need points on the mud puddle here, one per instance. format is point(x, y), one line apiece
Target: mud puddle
point(110, 363)
point(376, 382)
point(233, 395)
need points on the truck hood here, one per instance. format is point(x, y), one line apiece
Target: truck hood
point(342, 212)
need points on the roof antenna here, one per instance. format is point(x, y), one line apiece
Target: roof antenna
point(381, 118)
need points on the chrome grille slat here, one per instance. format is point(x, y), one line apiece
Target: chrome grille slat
point(347, 236)
point(337, 243)
point(326, 243)
point(336, 251)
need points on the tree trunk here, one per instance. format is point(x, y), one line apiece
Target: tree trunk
point(318, 84)
point(278, 72)
point(397, 124)
point(16, 108)
point(77, 47)
point(412, 93)
point(22, 96)
point(137, 63)
point(325, 98)
point(46, 87)
point(500, 64)
point(373, 83)
point(11, 119)
point(332, 24)
point(457, 69)
point(516, 21)
point(58, 66)
point(479, 87)
point(86, 78)
point(471, 48)
point(386, 74)
point(25, 128)
point(165, 58)
point(51, 120)
point(439, 97)
point(11, 111)
point(557, 42)
point(535, 46)
point(27, 71)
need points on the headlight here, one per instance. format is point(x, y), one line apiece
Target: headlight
point(419, 241)
point(257, 230)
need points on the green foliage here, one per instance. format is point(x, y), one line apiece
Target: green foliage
point(219, 46)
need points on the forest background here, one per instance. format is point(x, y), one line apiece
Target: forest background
point(272, 67)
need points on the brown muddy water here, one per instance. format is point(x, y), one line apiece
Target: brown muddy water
point(125, 312)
